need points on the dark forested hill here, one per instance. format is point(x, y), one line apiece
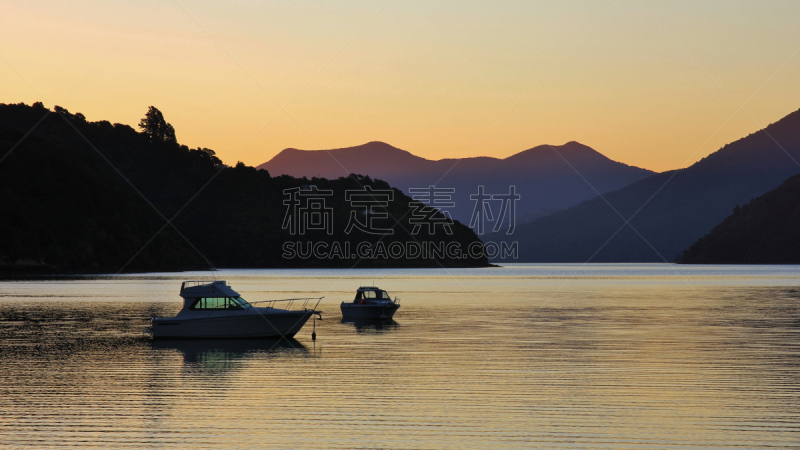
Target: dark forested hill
point(80, 196)
point(546, 177)
point(668, 211)
point(765, 231)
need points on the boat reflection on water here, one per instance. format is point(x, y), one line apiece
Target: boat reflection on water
point(224, 354)
point(368, 325)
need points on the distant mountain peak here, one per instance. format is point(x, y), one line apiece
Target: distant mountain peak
point(570, 146)
point(377, 147)
point(546, 179)
point(576, 145)
point(373, 147)
point(378, 144)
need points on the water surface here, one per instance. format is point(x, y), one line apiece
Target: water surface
point(559, 356)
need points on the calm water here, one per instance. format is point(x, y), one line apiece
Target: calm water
point(559, 356)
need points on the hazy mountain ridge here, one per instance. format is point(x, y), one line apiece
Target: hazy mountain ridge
point(541, 176)
point(764, 231)
point(677, 207)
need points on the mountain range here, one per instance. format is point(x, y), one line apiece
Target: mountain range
point(68, 189)
point(547, 178)
point(656, 218)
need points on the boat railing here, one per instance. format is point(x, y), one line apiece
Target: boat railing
point(304, 303)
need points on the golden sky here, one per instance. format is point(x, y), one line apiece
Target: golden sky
point(656, 84)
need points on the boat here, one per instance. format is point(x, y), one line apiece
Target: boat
point(370, 303)
point(211, 309)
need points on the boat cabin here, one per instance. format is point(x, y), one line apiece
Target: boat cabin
point(370, 293)
point(216, 295)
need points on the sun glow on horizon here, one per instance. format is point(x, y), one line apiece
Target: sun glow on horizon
point(657, 85)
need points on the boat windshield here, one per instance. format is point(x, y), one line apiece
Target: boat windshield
point(219, 303)
point(242, 302)
point(372, 295)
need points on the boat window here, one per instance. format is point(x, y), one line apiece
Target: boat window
point(369, 294)
point(219, 303)
point(242, 302)
point(383, 295)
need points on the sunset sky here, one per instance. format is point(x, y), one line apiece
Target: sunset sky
point(656, 84)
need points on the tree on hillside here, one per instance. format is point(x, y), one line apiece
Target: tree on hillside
point(154, 126)
point(208, 155)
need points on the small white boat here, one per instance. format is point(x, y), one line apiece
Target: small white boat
point(214, 310)
point(370, 303)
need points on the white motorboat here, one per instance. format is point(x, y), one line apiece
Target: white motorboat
point(370, 303)
point(214, 310)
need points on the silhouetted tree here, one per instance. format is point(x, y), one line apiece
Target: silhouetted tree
point(206, 154)
point(211, 155)
point(61, 110)
point(156, 127)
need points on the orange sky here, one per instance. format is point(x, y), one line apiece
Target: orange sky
point(653, 84)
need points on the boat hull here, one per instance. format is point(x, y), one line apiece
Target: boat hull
point(273, 325)
point(356, 311)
